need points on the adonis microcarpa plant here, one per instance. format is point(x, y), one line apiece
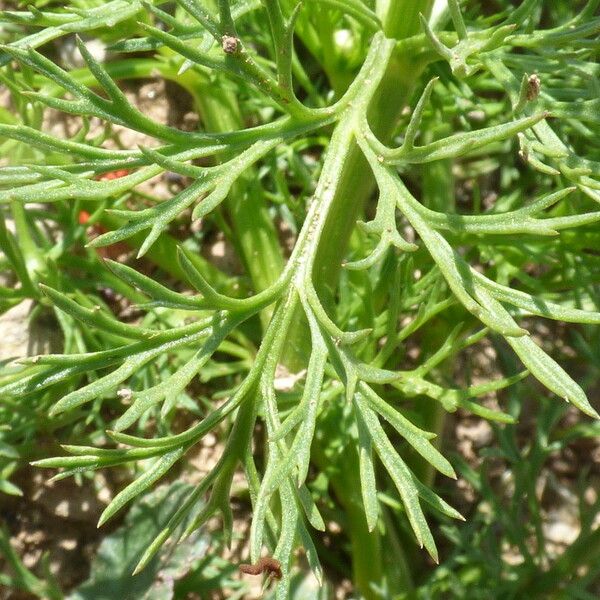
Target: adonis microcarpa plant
point(353, 123)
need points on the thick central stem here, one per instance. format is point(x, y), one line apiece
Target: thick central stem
point(347, 183)
point(356, 183)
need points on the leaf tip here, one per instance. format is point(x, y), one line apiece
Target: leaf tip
point(54, 411)
point(103, 518)
point(137, 570)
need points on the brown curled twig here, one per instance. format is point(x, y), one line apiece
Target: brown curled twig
point(268, 565)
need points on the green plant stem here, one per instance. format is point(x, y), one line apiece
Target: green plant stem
point(15, 258)
point(356, 183)
point(342, 152)
point(352, 185)
point(34, 261)
point(400, 18)
point(367, 565)
point(353, 188)
point(255, 234)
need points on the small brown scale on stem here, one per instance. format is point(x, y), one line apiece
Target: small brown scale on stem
point(268, 565)
point(229, 44)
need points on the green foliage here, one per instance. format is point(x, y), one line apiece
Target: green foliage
point(22, 578)
point(110, 575)
point(476, 567)
point(402, 109)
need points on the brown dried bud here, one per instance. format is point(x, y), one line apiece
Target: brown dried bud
point(533, 87)
point(229, 44)
point(267, 565)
